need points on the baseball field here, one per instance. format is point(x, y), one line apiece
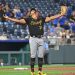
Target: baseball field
point(49, 69)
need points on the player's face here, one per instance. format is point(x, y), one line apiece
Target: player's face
point(37, 14)
point(33, 12)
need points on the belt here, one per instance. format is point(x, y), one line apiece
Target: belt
point(38, 36)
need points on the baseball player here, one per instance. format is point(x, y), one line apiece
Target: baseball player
point(35, 23)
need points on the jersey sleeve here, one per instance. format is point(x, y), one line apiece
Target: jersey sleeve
point(2, 16)
point(27, 20)
point(71, 19)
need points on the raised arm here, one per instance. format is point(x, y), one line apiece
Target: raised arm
point(63, 12)
point(15, 20)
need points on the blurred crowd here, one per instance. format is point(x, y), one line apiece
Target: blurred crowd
point(62, 28)
point(11, 30)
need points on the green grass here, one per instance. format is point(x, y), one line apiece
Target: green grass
point(14, 72)
point(53, 72)
point(27, 72)
point(14, 66)
point(54, 65)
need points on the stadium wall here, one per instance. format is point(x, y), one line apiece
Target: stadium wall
point(65, 55)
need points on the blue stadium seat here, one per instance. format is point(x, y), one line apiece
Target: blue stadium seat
point(44, 6)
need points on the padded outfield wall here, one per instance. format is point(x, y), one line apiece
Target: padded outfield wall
point(65, 55)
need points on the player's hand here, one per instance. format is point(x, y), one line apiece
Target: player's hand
point(6, 17)
point(63, 10)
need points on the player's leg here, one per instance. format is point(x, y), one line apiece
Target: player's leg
point(33, 49)
point(41, 51)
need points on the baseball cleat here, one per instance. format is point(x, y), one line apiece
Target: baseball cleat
point(41, 73)
point(32, 73)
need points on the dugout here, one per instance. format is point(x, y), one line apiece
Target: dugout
point(14, 52)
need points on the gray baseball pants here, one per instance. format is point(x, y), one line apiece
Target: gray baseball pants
point(36, 47)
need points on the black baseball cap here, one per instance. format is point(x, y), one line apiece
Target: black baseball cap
point(33, 9)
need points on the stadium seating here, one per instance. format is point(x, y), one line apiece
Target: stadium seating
point(44, 6)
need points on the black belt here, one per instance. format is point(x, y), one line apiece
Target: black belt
point(38, 36)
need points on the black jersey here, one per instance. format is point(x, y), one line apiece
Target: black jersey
point(35, 26)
